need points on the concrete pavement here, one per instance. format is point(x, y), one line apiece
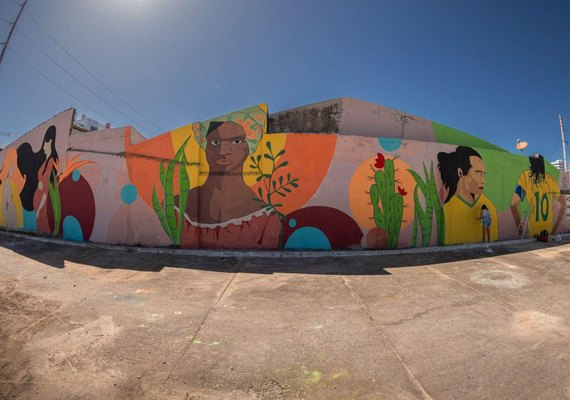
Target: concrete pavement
point(477, 323)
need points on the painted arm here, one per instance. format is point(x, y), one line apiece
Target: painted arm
point(42, 204)
point(561, 213)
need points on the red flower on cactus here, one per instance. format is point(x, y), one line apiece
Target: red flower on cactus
point(380, 161)
point(402, 191)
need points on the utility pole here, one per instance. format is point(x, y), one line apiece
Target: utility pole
point(12, 30)
point(563, 141)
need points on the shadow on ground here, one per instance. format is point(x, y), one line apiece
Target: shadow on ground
point(56, 255)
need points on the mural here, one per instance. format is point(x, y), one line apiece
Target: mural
point(38, 191)
point(541, 192)
point(226, 183)
point(463, 178)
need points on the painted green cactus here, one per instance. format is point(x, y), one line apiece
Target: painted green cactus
point(423, 217)
point(387, 203)
point(166, 210)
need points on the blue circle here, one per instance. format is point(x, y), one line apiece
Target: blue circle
point(390, 144)
point(72, 229)
point(292, 222)
point(75, 175)
point(129, 194)
point(308, 238)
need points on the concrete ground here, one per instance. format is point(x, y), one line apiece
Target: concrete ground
point(85, 323)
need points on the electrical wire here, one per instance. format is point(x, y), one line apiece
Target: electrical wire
point(59, 87)
point(553, 150)
point(75, 79)
point(91, 74)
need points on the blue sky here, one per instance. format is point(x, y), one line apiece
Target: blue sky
point(496, 69)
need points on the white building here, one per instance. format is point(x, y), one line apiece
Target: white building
point(89, 124)
point(558, 164)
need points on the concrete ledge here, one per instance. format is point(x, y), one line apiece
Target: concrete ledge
point(272, 253)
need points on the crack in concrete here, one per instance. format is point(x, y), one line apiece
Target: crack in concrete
point(197, 332)
point(387, 341)
point(428, 311)
point(507, 306)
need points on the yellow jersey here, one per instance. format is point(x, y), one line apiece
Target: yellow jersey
point(461, 220)
point(541, 197)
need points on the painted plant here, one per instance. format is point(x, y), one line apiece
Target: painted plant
point(423, 217)
point(166, 209)
point(387, 200)
point(272, 183)
point(58, 176)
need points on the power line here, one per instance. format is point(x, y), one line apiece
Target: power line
point(59, 87)
point(7, 42)
point(75, 79)
point(91, 74)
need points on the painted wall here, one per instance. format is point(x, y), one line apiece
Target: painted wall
point(226, 183)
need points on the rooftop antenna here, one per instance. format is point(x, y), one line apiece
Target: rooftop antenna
point(521, 145)
point(563, 141)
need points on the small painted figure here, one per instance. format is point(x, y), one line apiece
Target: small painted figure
point(486, 221)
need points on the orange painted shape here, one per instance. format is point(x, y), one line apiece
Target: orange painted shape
point(309, 157)
point(143, 162)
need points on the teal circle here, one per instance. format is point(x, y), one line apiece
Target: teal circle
point(129, 194)
point(292, 222)
point(75, 175)
point(390, 144)
point(308, 238)
point(72, 229)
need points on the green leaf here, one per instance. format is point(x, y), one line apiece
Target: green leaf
point(183, 189)
point(265, 155)
point(258, 178)
point(281, 180)
point(252, 166)
point(274, 183)
point(169, 211)
point(283, 164)
point(280, 153)
point(258, 158)
point(268, 144)
point(162, 174)
point(160, 213)
point(260, 193)
point(294, 184)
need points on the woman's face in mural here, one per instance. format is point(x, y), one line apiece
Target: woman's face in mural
point(474, 181)
point(226, 148)
point(47, 148)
